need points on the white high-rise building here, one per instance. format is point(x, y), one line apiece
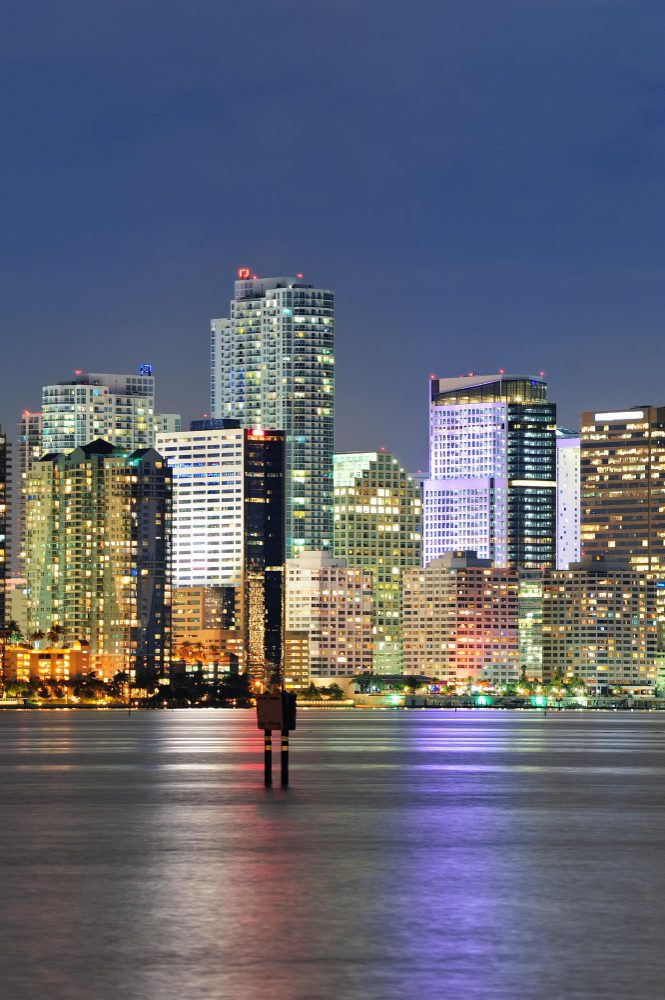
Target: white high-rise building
point(272, 366)
point(492, 470)
point(119, 409)
point(208, 470)
point(568, 498)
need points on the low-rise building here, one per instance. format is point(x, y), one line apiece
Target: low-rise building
point(328, 619)
point(460, 620)
point(600, 624)
point(53, 664)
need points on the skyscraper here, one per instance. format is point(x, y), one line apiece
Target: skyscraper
point(378, 527)
point(228, 524)
point(623, 486)
point(273, 367)
point(116, 408)
point(5, 520)
point(492, 485)
point(98, 553)
point(29, 450)
point(568, 497)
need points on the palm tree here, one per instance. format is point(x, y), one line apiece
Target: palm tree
point(36, 637)
point(12, 630)
point(54, 633)
point(213, 651)
point(184, 650)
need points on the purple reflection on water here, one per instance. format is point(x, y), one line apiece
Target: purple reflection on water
point(433, 854)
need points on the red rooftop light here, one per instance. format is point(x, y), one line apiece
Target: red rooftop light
point(78, 371)
point(298, 275)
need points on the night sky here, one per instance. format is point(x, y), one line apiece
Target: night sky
point(480, 181)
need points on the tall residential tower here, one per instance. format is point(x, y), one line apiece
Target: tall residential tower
point(98, 537)
point(273, 367)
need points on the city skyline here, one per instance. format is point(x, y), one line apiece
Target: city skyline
point(499, 190)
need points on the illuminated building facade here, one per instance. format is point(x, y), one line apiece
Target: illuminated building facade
point(228, 524)
point(460, 620)
point(206, 623)
point(378, 528)
point(98, 553)
point(5, 520)
point(52, 664)
point(623, 486)
point(117, 408)
point(568, 497)
point(492, 485)
point(530, 622)
point(273, 367)
point(599, 624)
point(29, 450)
point(328, 619)
point(208, 467)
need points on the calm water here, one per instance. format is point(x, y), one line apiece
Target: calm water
point(417, 854)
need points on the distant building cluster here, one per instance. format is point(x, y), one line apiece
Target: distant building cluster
point(244, 543)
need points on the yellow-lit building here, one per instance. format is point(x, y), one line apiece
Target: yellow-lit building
point(378, 528)
point(52, 664)
point(623, 486)
point(599, 624)
point(98, 553)
point(206, 622)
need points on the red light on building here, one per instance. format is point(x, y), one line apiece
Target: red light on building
point(254, 277)
point(78, 371)
point(298, 275)
point(432, 376)
point(541, 374)
point(502, 371)
point(243, 273)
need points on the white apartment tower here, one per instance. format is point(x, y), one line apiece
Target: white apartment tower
point(568, 498)
point(119, 409)
point(272, 366)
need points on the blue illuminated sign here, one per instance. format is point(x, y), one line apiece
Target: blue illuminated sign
point(145, 369)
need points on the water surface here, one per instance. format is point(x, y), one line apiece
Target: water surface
point(417, 854)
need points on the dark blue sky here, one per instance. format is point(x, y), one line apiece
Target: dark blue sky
point(481, 182)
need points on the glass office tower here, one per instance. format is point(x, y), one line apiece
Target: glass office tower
point(492, 485)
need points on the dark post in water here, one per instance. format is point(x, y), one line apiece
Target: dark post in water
point(276, 711)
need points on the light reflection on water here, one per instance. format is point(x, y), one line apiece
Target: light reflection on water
point(417, 854)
